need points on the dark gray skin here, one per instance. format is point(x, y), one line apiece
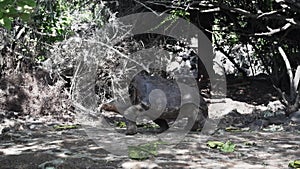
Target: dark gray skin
point(167, 116)
point(140, 88)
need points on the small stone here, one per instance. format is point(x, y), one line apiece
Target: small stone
point(259, 124)
point(295, 117)
point(32, 127)
point(138, 165)
point(5, 130)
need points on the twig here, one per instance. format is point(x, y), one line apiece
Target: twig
point(231, 59)
point(149, 8)
point(267, 14)
point(121, 54)
point(283, 99)
point(289, 69)
point(297, 77)
point(273, 31)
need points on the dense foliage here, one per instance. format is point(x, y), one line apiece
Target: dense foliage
point(248, 33)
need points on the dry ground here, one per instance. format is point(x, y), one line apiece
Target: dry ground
point(33, 143)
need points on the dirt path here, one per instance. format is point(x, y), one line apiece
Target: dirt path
point(72, 149)
point(33, 143)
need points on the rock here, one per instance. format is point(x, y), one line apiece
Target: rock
point(258, 124)
point(12, 114)
point(32, 127)
point(295, 117)
point(5, 130)
point(140, 165)
point(275, 106)
point(277, 119)
point(221, 107)
point(234, 119)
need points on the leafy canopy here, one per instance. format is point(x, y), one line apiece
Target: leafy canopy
point(11, 9)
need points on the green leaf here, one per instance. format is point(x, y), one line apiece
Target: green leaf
point(2, 21)
point(31, 3)
point(41, 58)
point(3, 6)
point(232, 129)
point(25, 17)
point(28, 8)
point(12, 12)
point(215, 144)
point(295, 164)
point(137, 153)
point(6, 3)
point(7, 23)
point(121, 124)
point(23, 3)
point(144, 151)
point(151, 126)
point(228, 147)
point(64, 127)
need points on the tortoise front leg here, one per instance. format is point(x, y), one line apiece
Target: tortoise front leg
point(131, 127)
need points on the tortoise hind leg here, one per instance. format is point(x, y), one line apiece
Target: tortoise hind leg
point(163, 125)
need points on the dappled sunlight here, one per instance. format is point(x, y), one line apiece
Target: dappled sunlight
point(149, 84)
